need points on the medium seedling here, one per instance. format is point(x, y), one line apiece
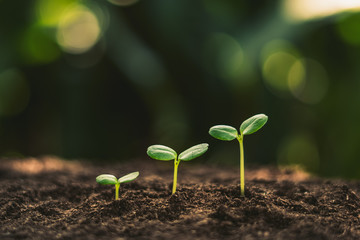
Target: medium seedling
point(108, 179)
point(164, 153)
point(228, 133)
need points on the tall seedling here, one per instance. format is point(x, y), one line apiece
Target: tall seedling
point(228, 133)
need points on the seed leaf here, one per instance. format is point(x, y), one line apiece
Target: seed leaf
point(129, 177)
point(161, 152)
point(194, 152)
point(105, 179)
point(253, 124)
point(223, 132)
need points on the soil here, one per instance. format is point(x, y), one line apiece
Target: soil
point(49, 198)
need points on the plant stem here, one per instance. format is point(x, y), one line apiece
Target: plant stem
point(117, 186)
point(242, 174)
point(176, 164)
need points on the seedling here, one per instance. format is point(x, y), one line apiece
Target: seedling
point(108, 179)
point(164, 153)
point(228, 133)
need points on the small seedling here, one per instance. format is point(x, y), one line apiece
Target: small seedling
point(108, 179)
point(228, 133)
point(164, 153)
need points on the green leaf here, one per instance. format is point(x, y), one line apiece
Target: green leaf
point(194, 152)
point(223, 132)
point(129, 177)
point(161, 152)
point(105, 179)
point(253, 124)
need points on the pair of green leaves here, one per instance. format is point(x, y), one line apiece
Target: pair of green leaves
point(164, 153)
point(222, 132)
point(249, 126)
point(108, 179)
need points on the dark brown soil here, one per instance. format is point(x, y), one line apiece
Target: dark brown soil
point(54, 199)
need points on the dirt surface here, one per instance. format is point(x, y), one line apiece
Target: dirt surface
point(54, 199)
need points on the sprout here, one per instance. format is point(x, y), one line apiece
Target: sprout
point(108, 179)
point(164, 153)
point(228, 133)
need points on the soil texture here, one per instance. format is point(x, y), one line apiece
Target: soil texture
point(49, 198)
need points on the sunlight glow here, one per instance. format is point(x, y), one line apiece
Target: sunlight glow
point(302, 10)
point(78, 30)
point(45, 164)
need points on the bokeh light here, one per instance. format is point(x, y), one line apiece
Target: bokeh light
point(301, 10)
point(78, 29)
point(348, 28)
point(276, 69)
point(296, 78)
point(278, 56)
point(286, 73)
point(37, 46)
point(14, 92)
point(308, 81)
point(49, 13)
point(171, 69)
point(299, 150)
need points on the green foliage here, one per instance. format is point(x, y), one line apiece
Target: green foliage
point(161, 152)
point(253, 124)
point(108, 179)
point(223, 132)
point(129, 177)
point(194, 152)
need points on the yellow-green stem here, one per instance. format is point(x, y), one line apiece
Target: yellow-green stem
point(242, 174)
point(176, 164)
point(117, 186)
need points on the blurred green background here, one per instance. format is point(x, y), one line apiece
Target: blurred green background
point(103, 80)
